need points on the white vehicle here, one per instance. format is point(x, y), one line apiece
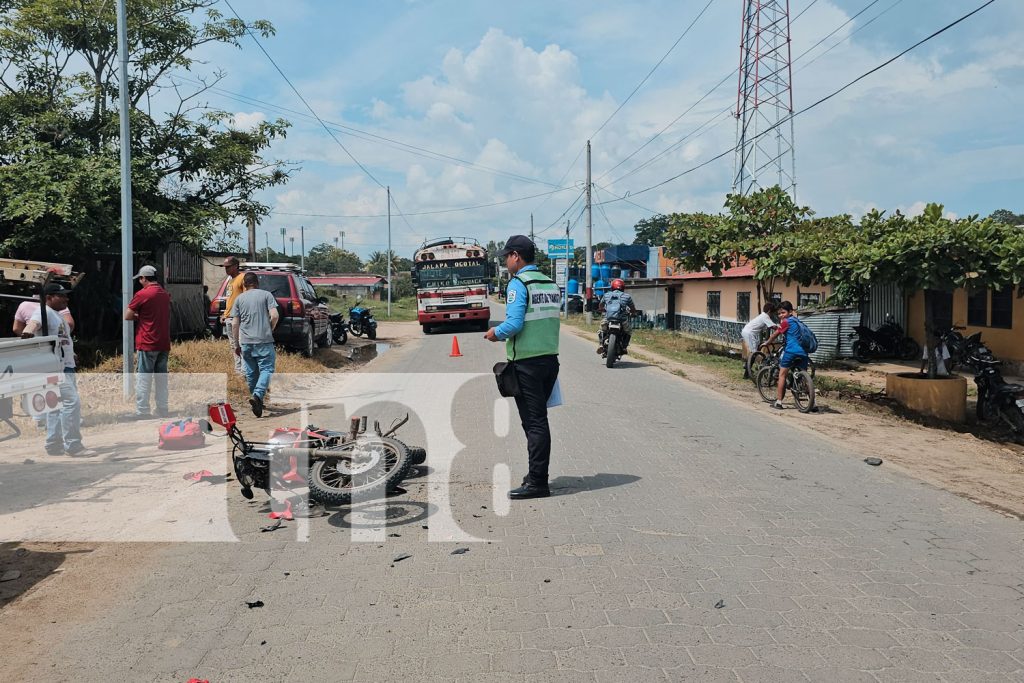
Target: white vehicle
point(30, 369)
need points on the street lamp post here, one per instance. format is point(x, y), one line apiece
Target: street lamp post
point(127, 261)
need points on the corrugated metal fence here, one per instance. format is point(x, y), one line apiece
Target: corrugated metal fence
point(885, 300)
point(833, 330)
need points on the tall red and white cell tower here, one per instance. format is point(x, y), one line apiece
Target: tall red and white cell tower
point(764, 100)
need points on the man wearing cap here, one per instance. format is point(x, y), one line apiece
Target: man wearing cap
point(150, 308)
point(63, 426)
point(530, 333)
point(234, 288)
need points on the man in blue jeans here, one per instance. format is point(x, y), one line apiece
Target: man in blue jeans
point(150, 308)
point(254, 315)
point(64, 425)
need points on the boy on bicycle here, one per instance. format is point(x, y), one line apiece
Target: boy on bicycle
point(793, 354)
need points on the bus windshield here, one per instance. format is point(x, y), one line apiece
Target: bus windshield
point(451, 273)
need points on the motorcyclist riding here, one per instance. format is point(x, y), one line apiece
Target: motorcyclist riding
point(617, 306)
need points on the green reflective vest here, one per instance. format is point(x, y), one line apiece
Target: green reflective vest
point(539, 336)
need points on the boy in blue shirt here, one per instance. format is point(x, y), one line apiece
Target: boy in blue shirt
point(793, 354)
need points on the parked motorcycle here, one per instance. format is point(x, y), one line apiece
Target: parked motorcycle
point(960, 348)
point(997, 398)
point(341, 465)
point(339, 328)
point(612, 339)
point(888, 341)
point(361, 321)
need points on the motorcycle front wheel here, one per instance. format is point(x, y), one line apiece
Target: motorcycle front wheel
point(370, 466)
point(371, 333)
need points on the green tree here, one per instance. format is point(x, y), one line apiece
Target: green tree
point(193, 170)
point(325, 258)
point(1008, 217)
point(378, 263)
point(651, 231)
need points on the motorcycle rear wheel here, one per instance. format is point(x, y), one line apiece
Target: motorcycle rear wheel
point(389, 463)
point(612, 349)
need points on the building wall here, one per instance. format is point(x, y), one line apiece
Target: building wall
point(691, 314)
point(1006, 344)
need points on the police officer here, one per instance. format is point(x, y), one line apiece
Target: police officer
point(530, 333)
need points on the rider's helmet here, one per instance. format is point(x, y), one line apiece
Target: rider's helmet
point(619, 285)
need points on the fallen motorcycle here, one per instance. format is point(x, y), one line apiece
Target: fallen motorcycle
point(342, 466)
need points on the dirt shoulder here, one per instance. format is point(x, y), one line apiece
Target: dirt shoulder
point(986, 472)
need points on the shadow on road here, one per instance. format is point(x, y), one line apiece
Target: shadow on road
point(31, 566)
point(380, 514)
point(566, 486)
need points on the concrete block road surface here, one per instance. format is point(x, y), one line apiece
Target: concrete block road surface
point(690, 537)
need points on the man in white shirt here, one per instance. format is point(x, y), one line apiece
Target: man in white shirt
point(752, 333)
point(63, 426)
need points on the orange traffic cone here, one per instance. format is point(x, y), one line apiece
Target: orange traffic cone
point(456, 353)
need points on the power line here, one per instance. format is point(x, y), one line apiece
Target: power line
point(859, 29)
point(691, 107)
point(624, 199)
point(653, 69)
point(611, 227)
point(422, 213)
point(819, 102)
point(375, 138)
point(562, 215)
point(720, 83)
point(303, 99)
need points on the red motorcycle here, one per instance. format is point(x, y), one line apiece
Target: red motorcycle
point(342, 466)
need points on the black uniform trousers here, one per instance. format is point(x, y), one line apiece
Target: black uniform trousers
point(536, 380)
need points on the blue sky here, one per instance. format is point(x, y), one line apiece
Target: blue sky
point(518, 87)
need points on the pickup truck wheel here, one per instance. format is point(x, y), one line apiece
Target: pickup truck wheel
point(427, 329)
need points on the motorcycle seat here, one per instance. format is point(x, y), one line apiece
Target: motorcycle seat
point(1011, 389)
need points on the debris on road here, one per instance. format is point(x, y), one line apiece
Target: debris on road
point(460, 551)
point(874, 462)
point(254, 604)
point(403, 556)
point(283, 514)
point(273, 527)
point(720, 604)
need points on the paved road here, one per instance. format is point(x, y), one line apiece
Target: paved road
point(691, 538)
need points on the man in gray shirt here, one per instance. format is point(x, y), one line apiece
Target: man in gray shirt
point(254, 314)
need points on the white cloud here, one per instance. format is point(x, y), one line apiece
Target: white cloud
point(245, 121)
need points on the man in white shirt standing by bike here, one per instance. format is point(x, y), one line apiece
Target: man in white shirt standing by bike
point(752, 333)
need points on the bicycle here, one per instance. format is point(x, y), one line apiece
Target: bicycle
point(799, 382)
point(765, 352)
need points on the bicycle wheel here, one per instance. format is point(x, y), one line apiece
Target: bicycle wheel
point(754, 364)
point(803, 391)
point(767, 380)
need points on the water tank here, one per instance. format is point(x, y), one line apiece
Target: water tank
point(606, 272)
point(599, 287)
point(595, 272)
point(572, 287)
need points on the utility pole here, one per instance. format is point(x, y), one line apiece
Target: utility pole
point(284, 252)
point(127, 260)
point(531, 229)
point(266, 237)
point(389, 251)
point(291, 238)
point(590, 247)
point(250, 222)
point(335, 241)
point(302, 247)
point(342, 240)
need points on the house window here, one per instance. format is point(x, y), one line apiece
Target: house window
point(1002, 308)
point(808, 299)
point(977, 307)
point(742, 307)
point(714, 305)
